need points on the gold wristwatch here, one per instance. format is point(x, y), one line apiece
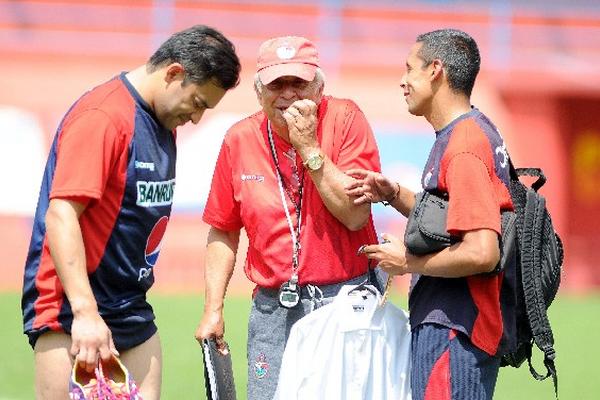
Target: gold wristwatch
point(314, 162)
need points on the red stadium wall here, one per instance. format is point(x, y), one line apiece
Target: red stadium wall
point(539, 83)
point(579, 132)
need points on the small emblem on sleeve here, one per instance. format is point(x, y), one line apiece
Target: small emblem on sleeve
point(427, 178)
point(144, 165)
point(501, 152)
point(252, 177)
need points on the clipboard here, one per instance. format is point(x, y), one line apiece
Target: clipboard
point(218, 372)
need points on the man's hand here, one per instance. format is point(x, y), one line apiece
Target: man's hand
point(91, 338)
point(212, 325)
point(390, 255)
point(370, 187)
point(301, 118)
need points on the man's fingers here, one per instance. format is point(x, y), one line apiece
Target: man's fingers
point(80, 357)
point(304, 107)
point(74, 349)
point(361, 173)
point(354, 184)
point(376, 256)
point(368, 249)
point(108, 348)
point(354, 191)
point(311, 105)
point(289, 118)
point(105, 352)
point(360, 200)
point(389, 238)
point(373, 252)
point(112, 347)
point(221, 345)
point(387, 267)
point(293, 109)
point(91, 360)
point(361, 250)
point(87, 358)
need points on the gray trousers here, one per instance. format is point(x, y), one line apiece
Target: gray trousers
point(269, 327)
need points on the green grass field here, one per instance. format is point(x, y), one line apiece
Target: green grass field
point(575, 321)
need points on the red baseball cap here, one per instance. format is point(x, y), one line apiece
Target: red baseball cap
point(287, 56)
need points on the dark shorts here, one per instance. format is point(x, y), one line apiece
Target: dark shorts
point(126, 333)
point(446, 366)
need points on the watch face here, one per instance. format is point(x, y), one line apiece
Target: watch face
point(315, 162)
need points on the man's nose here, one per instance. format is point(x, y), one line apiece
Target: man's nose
point(403, 82)
point(288, 92)
point(197, 116)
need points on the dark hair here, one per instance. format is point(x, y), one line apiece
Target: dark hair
point(459, 54)
point(205, 55)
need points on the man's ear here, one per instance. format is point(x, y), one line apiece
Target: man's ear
point(436, 69)
point(320, 95)
point(174, 71)
point(258, 92)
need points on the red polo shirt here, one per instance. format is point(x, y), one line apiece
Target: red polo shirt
point(245, 194)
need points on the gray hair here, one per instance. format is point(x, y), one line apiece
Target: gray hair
point(459, 54)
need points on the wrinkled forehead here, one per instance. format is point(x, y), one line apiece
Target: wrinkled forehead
point(414, 58)
point(415, 51)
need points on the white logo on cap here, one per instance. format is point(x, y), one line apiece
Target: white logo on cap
point(286, 52)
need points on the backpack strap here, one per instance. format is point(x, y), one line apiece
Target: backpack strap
point(550, 368)
point(515, 173)
point(531, 264)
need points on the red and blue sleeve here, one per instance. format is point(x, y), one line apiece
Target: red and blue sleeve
point(472, 201)
point(87, 151)
point(466, 174)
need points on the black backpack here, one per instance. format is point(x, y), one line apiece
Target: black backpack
point(539, 264)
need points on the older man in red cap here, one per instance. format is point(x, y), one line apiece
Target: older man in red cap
point(280, 176)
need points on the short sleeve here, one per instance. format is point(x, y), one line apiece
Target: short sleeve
point(88, 148)
point(359, 149)
point(472, 201)
point(222, 210)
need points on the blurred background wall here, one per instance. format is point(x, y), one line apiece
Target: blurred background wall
point(540, 84)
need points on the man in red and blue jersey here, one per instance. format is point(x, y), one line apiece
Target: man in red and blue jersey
point(461, 311)
point(103, 209)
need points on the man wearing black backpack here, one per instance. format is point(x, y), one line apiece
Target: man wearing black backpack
point(462, 309)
